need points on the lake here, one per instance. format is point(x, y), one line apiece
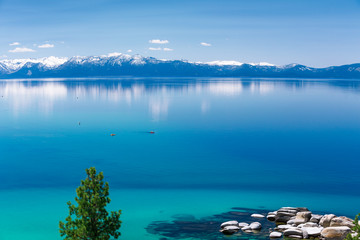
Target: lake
point(218, 144)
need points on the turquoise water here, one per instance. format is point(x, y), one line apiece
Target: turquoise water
point(218, 144)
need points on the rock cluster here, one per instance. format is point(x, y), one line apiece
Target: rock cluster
point(296, 223)
point(231, 227)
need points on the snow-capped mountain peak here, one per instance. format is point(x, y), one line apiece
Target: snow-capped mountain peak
point(236, 63)
point(49, 62)
point(225, 63)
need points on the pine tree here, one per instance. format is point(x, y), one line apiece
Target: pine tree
point(90, 220)
point(356, 229)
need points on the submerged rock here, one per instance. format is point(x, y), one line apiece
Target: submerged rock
point(301, 224)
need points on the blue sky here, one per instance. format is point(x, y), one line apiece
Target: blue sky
point(312, 32)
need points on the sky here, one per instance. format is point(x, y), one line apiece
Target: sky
point(316, 33)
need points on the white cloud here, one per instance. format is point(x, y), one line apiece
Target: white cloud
point(47, 45)
point(129, 51)
point(21, 50)
point(155, 49)
point(158, 41)
point(14, 44)
point(205, 44)
point(3, 56)
point(161, 49)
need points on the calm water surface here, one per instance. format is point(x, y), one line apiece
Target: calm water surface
point(218, 144)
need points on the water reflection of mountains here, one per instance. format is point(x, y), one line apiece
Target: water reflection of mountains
point(147, 85)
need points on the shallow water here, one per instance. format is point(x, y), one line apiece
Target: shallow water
point(218, 144)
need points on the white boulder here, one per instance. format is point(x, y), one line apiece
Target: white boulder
point(275, 235)
point(255, 226)
point(229, 223)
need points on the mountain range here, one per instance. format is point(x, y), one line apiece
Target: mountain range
point(117, 64)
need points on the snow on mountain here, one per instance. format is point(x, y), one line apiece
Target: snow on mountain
point(118, 64)
point(112, 58)
point(224, 63)
point(115, 58)
point(236, 63)
point(12, 65)
point(263, 64)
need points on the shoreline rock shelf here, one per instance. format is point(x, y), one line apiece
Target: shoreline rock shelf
point(296, 223)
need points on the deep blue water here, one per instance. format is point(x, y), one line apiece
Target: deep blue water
point(219, 142)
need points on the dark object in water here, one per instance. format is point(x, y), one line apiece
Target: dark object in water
point(113, 134)
point(183, 226)
point(152, 132)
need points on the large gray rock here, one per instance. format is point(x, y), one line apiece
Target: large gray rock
point(284, 214)
point(302, 209)
point(255, 226)
point(229, 230)
point(335, 233)
point(295, 236)
point(312, 231)
point(293, 232)
point(297, 209)
point(282, 228)
point(326, 219)
point(342, 221)
point(229, 223)
point(305, 216)
point(283, 217)
point(275, 235)
point(296, 221)
point(308, 224)
point(315, 218)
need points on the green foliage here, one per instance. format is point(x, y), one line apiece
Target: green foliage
point(90, 220)
point(356, 229)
